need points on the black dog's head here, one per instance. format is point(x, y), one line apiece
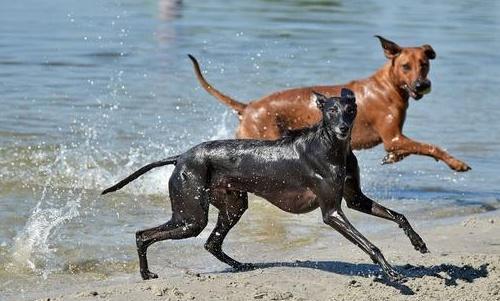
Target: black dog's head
point(338, 112)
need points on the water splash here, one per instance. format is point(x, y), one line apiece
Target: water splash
point(31, 248)
point(224, 131)
point(155, 182)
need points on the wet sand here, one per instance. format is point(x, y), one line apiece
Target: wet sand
point(464, 264)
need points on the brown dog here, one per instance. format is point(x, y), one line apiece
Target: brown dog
point(382, 101)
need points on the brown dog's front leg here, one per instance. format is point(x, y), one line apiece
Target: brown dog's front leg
point(393, 157)
point(400, 147)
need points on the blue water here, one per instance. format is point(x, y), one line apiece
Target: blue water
point(91, 90)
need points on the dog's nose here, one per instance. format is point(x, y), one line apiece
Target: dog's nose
point(422, 85)
point(343, 128)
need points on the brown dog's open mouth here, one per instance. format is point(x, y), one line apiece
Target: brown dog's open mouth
point(414, 94)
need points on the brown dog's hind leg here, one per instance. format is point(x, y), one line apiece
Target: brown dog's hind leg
point(356, 200)
point(231, 205)
point(258, 123)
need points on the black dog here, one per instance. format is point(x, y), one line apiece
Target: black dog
point(310, 168)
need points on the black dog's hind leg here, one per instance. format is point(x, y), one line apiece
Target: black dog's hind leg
point(356, 200)
point(170, 230)
point(145, 238)
point(189, 218)
point(231, 205)
point(337, 220)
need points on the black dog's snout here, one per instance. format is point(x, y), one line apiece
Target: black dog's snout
point(422, 85)
point(344, 128)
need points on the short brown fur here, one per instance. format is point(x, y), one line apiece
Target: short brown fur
point(382, 101)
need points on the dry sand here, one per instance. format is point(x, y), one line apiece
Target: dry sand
point(464, 264)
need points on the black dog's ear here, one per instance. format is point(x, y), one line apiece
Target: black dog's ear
point(320, 99)
point(347, 94)
point(391, 49)
point(429, 52)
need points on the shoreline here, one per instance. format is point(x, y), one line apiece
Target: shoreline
point(464, 264)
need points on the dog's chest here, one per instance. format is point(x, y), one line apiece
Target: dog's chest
point(304, 196)
point(294, 200)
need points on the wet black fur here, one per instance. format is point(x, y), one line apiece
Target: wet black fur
point(309, 169)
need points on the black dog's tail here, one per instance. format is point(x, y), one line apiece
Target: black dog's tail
point(139, 172)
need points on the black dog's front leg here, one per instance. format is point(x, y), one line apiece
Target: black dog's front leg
point(356, 200)
point(337, 220)
point(364, 204)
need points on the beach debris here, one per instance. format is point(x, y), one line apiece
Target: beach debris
point(470, 222)
point(281, 295)
point(353, 283)
point(88, 294)
point(159, 290)
point(273, 295)
point(259, 295)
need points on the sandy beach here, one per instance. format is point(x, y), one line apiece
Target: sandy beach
point(464, 264)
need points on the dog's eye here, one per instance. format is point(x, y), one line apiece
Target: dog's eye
point(406, 67)
point(334, 110)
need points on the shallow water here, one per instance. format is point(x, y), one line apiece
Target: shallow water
point(91, 90)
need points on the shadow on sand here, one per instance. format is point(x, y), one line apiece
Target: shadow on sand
point(449, 272)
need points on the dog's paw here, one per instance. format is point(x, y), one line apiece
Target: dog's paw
point(146, 275)
point(392, 157)
point(417, 241)
point(394, 276)
point(388, 159)
point(422, 249)
point(458, 165)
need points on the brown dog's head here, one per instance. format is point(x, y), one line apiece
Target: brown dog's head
point(410, 66)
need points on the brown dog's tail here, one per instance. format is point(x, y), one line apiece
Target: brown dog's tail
point(235, 105)
point(139, 172)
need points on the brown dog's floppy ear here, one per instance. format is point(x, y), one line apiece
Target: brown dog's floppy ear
point(391, 49)
point(429, 52)
point(320, 99)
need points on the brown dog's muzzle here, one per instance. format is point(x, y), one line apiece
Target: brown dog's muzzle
point(419, 88)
